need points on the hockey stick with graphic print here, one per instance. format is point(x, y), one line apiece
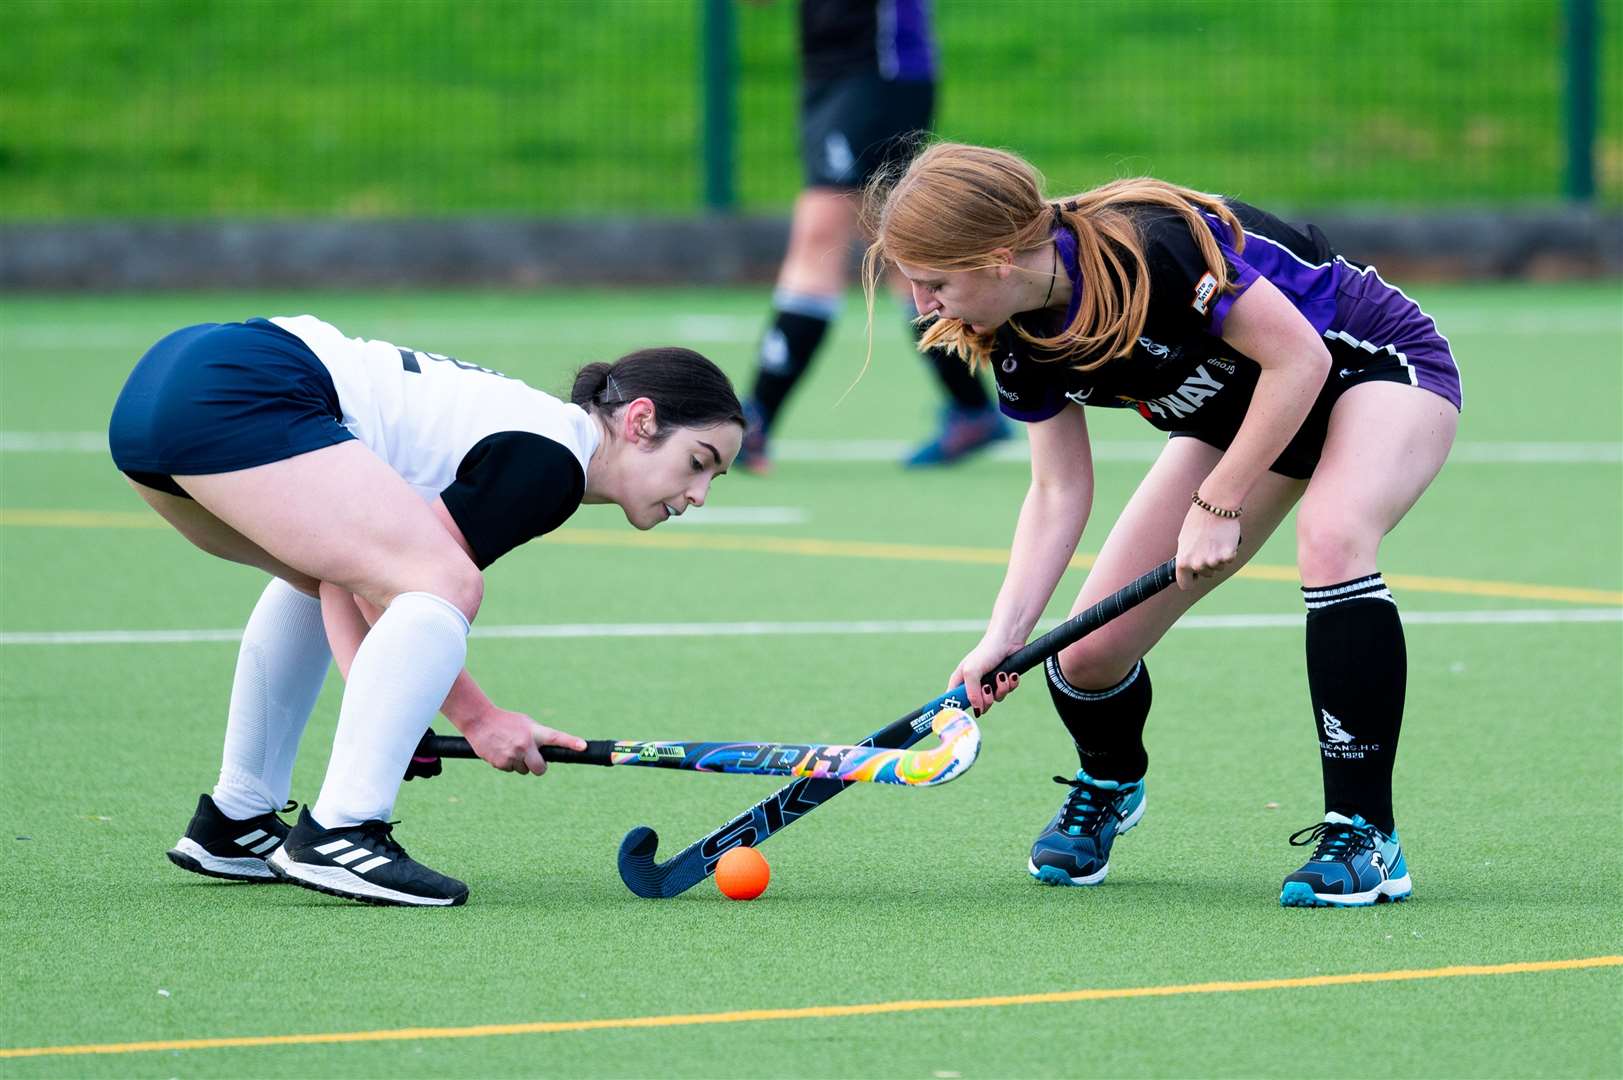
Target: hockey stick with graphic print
point(951, 758)
point(647, 878)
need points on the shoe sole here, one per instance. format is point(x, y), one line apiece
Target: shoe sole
point(188, 854)
point(1053, 875)
point(1391, 891)
point(336, 881)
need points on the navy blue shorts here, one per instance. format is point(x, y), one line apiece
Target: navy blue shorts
point(219, 397)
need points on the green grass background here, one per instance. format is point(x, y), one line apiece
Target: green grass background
point(1510, 783)
point(375, 108)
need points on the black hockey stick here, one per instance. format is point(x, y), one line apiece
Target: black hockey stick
point(697, 861)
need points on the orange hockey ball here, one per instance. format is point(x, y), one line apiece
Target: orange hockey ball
point(742, 873)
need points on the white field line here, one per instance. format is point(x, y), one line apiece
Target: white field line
point(891, 451)
point(1511, 617)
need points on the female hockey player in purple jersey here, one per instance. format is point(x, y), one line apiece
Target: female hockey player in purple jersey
point(374, 483)
point(1285, 375)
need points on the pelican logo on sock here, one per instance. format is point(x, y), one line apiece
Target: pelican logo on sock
point(775, 352)
point(1339, 744)
point(837, 155)
point(1333, 730)
point(336, 852)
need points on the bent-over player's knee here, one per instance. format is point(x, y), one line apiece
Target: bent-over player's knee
point(465, 590)
point(462, 586)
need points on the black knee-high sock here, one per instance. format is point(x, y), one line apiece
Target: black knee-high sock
point(961, 384)
point(787, 348)
point(1357, 670)
point(1108, 725)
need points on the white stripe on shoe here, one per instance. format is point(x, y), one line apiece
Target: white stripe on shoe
point(246, 867)
point(337, 881)
point(265, 845)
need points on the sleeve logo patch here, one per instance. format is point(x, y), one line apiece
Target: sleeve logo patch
point(1204, 288)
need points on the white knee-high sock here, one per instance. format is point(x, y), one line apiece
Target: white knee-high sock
point(280, 668)
point(401, 674)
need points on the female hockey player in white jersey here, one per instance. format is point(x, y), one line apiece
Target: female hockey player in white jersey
point(375, 483)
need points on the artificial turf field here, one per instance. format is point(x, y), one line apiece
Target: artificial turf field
point(1509, 784)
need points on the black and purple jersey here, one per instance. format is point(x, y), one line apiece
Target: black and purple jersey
point(1185, 379)
point(888, 38)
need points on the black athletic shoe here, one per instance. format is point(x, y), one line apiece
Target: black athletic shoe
point(218, 846)
point(361, 862)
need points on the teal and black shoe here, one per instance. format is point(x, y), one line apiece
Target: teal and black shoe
point(1354, 865)
point(963, 432)
point(1075, 847)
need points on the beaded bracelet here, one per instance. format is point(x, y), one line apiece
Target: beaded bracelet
point(1210, 509)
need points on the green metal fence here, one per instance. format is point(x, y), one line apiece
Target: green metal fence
point(546, 107)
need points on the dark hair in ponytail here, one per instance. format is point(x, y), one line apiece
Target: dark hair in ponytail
point(687, 389)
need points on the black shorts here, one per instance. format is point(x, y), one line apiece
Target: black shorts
point(1301, 454)
point(852, 126)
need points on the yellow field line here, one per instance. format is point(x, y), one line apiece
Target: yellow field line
point(860, 549)
point(82, 519)
point(817, 1012)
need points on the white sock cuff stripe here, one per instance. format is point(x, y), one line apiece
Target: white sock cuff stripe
point(1056, 679)
point(428, 598)
point(1369, 587)
point(1355, 584)
point(808, 305)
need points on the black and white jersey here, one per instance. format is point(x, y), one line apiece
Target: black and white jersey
point(1181, 376)
point(508, 460)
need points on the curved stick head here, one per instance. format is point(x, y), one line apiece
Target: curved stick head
point(637, 866)
point(960, 745)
